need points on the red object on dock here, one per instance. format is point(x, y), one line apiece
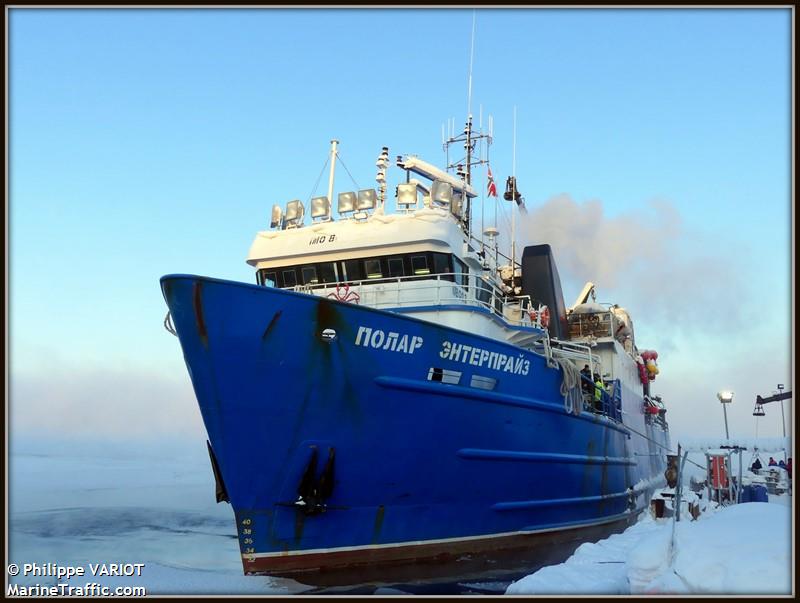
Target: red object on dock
point(719, 476)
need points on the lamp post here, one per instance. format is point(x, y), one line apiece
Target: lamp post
point(783, 420)
point(725, 397)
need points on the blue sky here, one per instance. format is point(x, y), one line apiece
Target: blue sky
point(144, 142)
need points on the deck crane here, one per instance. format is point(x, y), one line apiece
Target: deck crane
point(758, 411)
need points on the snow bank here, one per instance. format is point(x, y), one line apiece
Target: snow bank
point(648, 560)
point(594, 568)
point(741, 549)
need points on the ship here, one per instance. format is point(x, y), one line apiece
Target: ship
point(396, 391)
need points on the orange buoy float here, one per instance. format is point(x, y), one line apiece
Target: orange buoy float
point(544, 316)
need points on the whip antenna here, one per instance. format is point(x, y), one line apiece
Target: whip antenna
point(471, 54)
point(513, 213)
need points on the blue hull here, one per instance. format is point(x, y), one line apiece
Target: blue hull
point(402, 467)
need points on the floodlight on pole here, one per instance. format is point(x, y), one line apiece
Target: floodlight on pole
point(725, 397)
point(783, 418)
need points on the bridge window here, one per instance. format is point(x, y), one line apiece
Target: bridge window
point(289, 278)
point(419, 264)
point(396, 267)
point(373, 269)
point(483, 292)
point(327, 272)
point(441, 263)
point(348, 271)
point(352, 270)
point(309, 274)
point(462, 272)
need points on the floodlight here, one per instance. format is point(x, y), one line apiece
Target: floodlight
point(726, 397)
point(367, 199)
point(320, 207)
point(455, 205)
point(441, 193)
point(294, 212)
point(347, 202)
point(275, 220)
point(407, 193)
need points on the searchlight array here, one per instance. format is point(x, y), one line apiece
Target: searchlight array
point(444, 192)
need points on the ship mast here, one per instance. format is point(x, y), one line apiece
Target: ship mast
point(468, 172)
point(334, 142)
point(468, 131)
point(514, 192)
point(464, 166)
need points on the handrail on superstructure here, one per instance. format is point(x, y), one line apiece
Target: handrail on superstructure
point(575, 351)
point(467, 296)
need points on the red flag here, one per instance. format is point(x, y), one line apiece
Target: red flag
point(492, 190)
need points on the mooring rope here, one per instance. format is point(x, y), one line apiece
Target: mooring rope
point(168, 325)
point(570, 386)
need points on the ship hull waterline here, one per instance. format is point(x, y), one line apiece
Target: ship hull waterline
point(493, 558)
point(389, 465)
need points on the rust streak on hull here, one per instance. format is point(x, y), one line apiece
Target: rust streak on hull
point(271, 324)
point(198, 312)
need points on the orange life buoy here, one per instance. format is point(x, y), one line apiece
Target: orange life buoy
point(545, 317)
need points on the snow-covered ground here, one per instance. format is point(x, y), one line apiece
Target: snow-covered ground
point(738, 549)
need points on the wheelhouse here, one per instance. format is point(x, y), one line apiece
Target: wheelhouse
point(416, 265)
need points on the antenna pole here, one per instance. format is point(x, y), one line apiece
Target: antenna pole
point(513, 198)
point(468, 173)
point(334, 142)
point(483, 208)
point(471, 53)
point(468, 132)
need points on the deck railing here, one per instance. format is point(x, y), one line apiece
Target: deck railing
point(441, 289)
